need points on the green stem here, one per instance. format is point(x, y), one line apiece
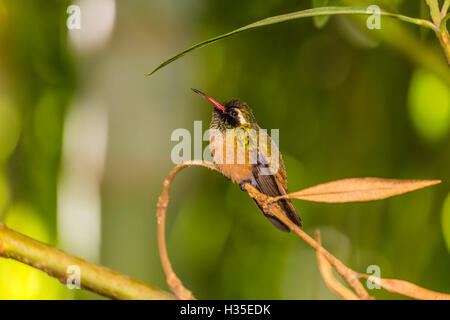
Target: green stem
point(445, 7)
point(443, 25)
point(434, 11)
point(444, 39)
point(54, 262)
point(443, 34)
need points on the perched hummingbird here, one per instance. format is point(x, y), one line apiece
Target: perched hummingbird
point(234, 115)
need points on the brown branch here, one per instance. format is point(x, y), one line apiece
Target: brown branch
point(350, 276)
point(55, 263)
point(325, 259)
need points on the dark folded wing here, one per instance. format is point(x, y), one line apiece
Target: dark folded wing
point(272, 186)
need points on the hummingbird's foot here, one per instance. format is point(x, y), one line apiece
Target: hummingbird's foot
point(250, 182)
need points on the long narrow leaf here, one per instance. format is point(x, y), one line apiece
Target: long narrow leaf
point(325, 11)
point(359, 189)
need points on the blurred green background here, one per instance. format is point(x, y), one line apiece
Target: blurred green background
point(85, 142)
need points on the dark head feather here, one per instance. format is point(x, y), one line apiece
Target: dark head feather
point(237, 114)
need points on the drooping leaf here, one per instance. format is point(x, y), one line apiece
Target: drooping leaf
point(321, 21)
point(325, 11)
point(360, 189)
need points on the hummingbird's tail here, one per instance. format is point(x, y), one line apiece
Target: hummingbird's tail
point(290, 211)
point(287, 206)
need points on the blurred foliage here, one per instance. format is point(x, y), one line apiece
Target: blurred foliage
point(429, 103)
point(38, 82)
point(446, 220)
point(348, 102)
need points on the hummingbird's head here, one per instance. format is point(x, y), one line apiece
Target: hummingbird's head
point(230, 115)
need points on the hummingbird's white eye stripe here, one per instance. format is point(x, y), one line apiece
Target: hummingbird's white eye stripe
point(241, 118)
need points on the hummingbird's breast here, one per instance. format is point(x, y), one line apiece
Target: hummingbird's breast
point(232, 161)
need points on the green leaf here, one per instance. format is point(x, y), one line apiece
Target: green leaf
point(321, 21)
point(325, 11)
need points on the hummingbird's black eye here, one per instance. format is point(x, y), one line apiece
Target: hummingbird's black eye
point(233, 113)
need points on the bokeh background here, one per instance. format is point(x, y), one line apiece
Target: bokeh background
point(85, 142)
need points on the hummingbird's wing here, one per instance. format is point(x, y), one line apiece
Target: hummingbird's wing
point(274, 185)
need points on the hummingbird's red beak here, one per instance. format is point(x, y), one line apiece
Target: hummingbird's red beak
point(214, 102)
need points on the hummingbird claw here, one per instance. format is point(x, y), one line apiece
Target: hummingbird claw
point(243, 183)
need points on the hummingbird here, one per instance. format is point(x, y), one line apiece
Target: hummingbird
point(236, 115)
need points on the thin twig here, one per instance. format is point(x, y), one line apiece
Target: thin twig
point(434, 11)
point(407, 288)
point(445, 7)
point(173, 281)
point(327, 275)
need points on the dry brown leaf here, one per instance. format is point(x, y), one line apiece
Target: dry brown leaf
point(359, 189)
point(408, 289)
